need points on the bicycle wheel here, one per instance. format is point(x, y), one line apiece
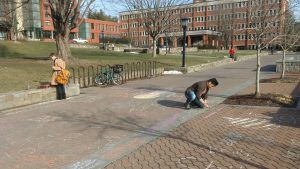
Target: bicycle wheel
point(100, 79)
point(116, 80)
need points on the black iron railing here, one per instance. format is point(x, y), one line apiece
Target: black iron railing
point(84, 76)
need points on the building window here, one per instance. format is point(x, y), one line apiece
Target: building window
point(47, 14)
point(47, 23)
point(93, 36)
point(92, 25)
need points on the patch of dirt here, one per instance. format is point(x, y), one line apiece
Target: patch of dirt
point(269, 99)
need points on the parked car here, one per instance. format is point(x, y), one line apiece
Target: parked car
point(79, 40)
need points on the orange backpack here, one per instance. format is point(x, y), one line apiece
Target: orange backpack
point(63, 77)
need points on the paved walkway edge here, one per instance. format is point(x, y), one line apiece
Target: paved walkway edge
point(28, 97)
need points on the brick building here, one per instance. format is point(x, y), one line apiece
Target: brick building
point(213, 22)
point(90, 29)
point(24, 19)
point(34, 22)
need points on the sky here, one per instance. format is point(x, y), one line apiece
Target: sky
point(110, 7)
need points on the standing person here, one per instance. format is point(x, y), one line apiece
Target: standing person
point(197, 93)
point(272, 50)
point(231, 53)
point(58, 65)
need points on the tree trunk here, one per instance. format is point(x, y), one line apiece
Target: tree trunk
point(154, 48)
point(283, 65)
point(257, 89)
point(63, 48)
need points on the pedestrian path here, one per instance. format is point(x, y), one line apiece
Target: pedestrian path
point(115, 124)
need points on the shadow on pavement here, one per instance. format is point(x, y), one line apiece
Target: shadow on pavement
point(131, 125)
point(268, 68)
point(171, 103)
point(239, 68)
point(287, 116)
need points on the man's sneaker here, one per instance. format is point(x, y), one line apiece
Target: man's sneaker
point(187, 105)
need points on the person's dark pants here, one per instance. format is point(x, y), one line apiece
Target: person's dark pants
point(192, 99)
point(60, 92)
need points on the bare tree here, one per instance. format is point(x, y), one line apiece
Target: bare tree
point(12, 14)
point(227, 22)
point(265, 25)
point(155, 16)
point(288, 38)
point(66, 15)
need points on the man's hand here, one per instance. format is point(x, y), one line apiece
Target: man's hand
point(204, 102)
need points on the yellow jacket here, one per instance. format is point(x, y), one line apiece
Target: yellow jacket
point(58, 65)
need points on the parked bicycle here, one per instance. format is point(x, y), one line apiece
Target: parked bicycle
point(110, 75)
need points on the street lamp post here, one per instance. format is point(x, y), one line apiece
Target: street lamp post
point(184, 24)
point(219, 35)
point(166, 42)
point(102, 38)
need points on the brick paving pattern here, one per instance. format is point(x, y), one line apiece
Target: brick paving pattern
point(225, 136)
point(228, 136)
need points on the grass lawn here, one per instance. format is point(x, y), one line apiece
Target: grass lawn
point(23, 64)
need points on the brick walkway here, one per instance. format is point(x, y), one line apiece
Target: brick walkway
point(227, 136)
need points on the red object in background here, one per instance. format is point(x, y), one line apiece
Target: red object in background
point(231, 51)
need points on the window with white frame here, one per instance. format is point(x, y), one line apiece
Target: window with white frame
point(47, 23)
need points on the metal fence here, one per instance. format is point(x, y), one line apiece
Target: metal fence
point(85, 76)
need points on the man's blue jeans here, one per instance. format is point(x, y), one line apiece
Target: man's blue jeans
point(191, 98)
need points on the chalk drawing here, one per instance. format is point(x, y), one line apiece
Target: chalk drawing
point(245, 122)
point(210, 150)
point(255, 124)
point(209, 165)
point(85, 164)
point(232, 138)
point(252, 123)
point(228, 141)
point(8, 155)
point(179, 161)
point(239, 121)
point(293, 152)
point(214, 112)
point(45, 119)
point(154, 94)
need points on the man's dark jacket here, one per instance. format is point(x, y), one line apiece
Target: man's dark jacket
point(198, 88)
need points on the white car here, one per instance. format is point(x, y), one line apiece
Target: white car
point(79, 40)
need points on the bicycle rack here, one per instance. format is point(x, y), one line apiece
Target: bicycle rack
point(126, 71)
point(83, 76)
point(89, 75)
point(73, 74)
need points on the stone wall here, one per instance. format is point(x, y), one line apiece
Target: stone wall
point(162, 51)
point(27, 97)
point(292, 64)
point(200, 67)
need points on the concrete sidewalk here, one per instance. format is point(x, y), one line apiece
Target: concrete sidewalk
point(123, 124)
